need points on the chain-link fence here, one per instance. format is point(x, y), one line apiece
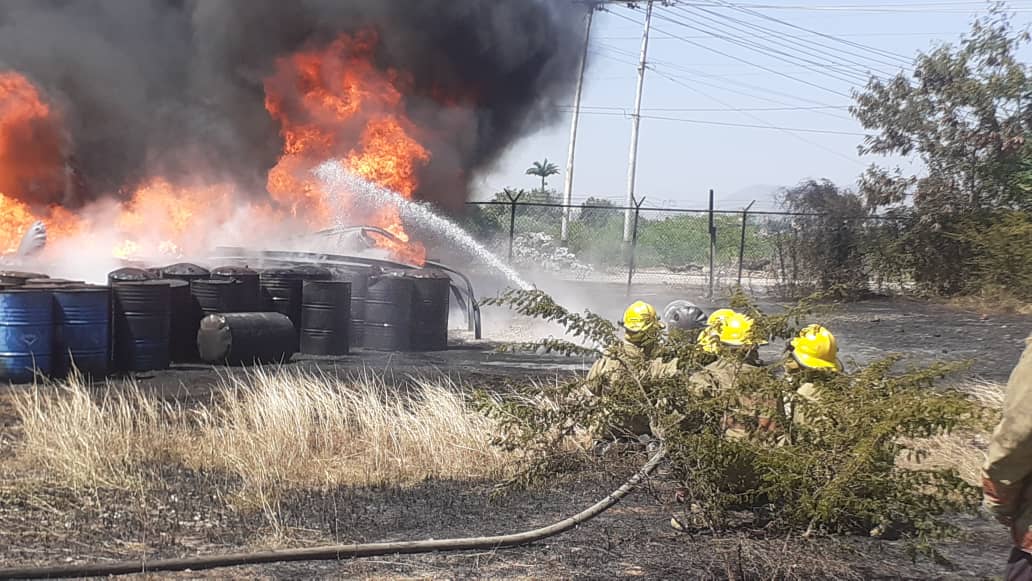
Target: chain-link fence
point(709, 251)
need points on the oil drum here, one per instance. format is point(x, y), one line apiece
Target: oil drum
point(430, 289)
point(26, 334)
point(16, 278)
point(186, 318)
point(129, 274)
point(282, 290)
point(82, 330)
point(325, 317)
point(246, 338)
point(358, 276)
point(142, 317)
point(185, 271)
point(218, 296)
point(250, 286)
point(388, 313)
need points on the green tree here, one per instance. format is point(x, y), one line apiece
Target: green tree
point(830, 244)
point(544, 170)
point(964, 111)
point(597, 212)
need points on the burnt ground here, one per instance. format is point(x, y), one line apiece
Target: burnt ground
point(188, 516)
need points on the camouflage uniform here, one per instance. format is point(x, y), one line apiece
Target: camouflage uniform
point(1006, 480)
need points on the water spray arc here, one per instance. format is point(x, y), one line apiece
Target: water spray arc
point(337, 181)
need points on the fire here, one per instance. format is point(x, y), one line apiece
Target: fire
point(334, 103)
point(331, 102)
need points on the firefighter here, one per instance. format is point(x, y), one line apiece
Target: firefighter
point(813, 349)
point(636, 353)
point(1007, 474)
point(729, 338)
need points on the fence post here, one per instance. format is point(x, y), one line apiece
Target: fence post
point(631, 261)
point(741, 246)
point(712, 246)
point(512, 217)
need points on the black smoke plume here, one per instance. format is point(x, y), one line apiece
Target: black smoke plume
point(176, 86)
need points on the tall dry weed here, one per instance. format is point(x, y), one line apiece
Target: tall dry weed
point(275, 430)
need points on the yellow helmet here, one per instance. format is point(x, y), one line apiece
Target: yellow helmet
point(815, 348)
point(640, 321)
point(729, 328)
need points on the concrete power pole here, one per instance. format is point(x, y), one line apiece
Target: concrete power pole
point(635, 121)
point(568, 185)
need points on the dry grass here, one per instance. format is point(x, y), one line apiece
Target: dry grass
point(274, 430)
point(963, 451)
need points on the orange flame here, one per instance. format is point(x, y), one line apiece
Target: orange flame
point(333, 103)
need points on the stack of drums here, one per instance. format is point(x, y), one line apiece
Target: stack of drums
point(388, 312)
point(142, 316)
point(430, 308)
point(325, 317)
point(26, 333)
point(250, 285)
point(82, 330)
point(358, 276)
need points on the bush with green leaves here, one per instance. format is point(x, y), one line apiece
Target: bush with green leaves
point(839, 472)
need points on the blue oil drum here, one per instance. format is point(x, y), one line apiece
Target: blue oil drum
point(82, 330)
point(26, 334)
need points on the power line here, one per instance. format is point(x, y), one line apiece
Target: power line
point(742, 60)
point(713, 109)
point(777, 36)
point(769, 51)
point(889, 54)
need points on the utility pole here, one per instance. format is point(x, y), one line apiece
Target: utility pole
point(635, 121)
point(568, 185)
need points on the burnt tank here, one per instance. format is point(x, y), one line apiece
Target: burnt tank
point(325, 317)
point(388, 316)
point(430, 308)
point(246, 338)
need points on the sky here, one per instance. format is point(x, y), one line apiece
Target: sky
point(715, 66)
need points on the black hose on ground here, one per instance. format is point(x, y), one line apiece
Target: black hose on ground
point(338, 552)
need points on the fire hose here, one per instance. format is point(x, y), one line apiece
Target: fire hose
point(339, 552)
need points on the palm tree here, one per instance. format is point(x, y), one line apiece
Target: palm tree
point(543, 169)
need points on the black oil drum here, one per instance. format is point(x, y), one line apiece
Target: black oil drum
point(325, 317)
point(358, 276)
point(282, 290)
point(388, 313)
point(129, 275)
point(218, 296)
point(16, 278)
point(186, 318)
point(430, 289)
point(142, 317)
point(250, 285)
point(246, 338)
point(185, 271)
